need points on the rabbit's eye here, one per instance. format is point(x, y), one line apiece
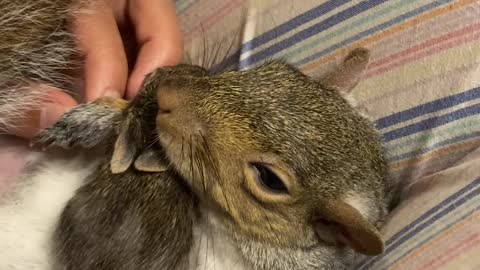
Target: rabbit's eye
point(268, 179)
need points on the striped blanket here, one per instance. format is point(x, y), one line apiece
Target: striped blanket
point(422, 88)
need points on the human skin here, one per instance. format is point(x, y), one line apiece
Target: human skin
point(102, 37)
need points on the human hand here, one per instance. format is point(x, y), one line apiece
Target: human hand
point(102, 35)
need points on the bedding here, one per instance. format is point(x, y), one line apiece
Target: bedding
point(422, 88)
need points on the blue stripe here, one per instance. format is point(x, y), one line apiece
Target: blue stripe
point(292, 24)
point(281, 30)
point(372, 30)
point(392, 242)
point(419, 244)
point(310, 31)
point(431, 123)
point(429, 107)
point(434, 147)
point(224, 65)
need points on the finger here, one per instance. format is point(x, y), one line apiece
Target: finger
point(52, 107)
point(106, 70)
point(158, 35)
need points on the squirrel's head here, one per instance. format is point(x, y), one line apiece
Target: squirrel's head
point(285, 160)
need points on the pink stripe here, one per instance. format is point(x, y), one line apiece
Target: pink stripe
point(217, 15)
point(459, 71)
point(424, 54)
point(415, 171)
point(446, 23)
point(426, 44)
point(451, 254)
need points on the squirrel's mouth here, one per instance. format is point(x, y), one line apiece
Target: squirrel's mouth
point(190, 156)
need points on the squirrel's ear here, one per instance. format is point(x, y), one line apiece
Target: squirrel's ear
point(340, 223)
point(124, 151)
point(151, 160)
point(347, 75)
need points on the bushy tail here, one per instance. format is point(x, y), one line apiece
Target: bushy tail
point(35, 48)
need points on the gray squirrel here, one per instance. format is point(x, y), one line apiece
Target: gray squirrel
point(276, 163)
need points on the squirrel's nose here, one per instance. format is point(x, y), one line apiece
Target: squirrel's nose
point(167, 101)
point(173, 117)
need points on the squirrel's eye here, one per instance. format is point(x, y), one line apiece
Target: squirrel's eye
point(269, 179)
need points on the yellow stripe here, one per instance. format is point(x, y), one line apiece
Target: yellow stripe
point(432, 66)
point(414, 162)
point(389, 32)
point(434, 243)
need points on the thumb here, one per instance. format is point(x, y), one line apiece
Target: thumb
point(51, 107)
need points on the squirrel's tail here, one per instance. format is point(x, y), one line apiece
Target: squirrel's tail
point(35, 48)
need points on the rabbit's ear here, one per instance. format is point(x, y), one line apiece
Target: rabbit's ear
point(340, 223)
point(151, 160)
point(347, 75)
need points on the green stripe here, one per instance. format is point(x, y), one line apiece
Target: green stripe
point(314, 43)
point(182, 5)
point(425, 139)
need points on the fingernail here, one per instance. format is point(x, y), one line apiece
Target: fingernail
point(50, 114)
point(111, 93)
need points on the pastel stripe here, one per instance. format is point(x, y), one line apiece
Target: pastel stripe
point(212, 19)
point(448, 150)
point(431, 123)
point(454, 225)
point(430, 107)
point(426, 44)
point(454, 201)
point(426, 142)
point(415, 174)
point(424, 139)
point(372, 30)
point(453, 253)
point(431, 51)
point(415, 80)
point(434, 147)
point(411, 88)
point(421, 18)
point(410, 37)
point(292, 24)
point(308, 32)
point(282, 29)
point(291, 54)
point(182, 6)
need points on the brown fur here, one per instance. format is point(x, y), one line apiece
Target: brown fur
point(212, 129)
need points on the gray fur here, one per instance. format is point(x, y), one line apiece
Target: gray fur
point(128, 220)
point(87, 125)
point(132, 220)
point(36, 48)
